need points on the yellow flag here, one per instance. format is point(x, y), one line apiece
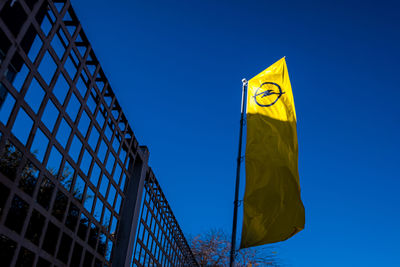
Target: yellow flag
point(273, 210)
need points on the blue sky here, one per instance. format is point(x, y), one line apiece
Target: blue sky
point(176, 68)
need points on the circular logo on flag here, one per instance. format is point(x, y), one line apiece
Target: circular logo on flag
point(267, 94)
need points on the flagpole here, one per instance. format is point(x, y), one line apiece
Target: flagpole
point(236, 202)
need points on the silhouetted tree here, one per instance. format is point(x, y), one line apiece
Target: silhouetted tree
point(213, 248)
point(10, 160)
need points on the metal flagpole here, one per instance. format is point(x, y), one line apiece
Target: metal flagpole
point(236, 202)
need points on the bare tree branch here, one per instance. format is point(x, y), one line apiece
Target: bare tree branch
point(212, 249)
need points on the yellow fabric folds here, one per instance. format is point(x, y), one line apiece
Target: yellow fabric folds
point(273, 210)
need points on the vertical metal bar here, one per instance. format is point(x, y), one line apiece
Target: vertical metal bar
point(235, 203)
point(130, 211)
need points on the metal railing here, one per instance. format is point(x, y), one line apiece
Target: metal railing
point(71, 170)
point(159, 241)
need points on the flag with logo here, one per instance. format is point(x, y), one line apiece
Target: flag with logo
point(273, 210)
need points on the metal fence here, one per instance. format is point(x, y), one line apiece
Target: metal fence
point(71, 171)
point(160, 241)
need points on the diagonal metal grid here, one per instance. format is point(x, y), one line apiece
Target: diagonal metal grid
point(159, 241)
point(67, 152)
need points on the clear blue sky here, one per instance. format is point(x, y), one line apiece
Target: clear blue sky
point(176, 68)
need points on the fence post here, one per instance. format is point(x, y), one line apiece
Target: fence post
point(123, 250)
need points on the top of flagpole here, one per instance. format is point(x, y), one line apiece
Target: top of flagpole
point(244, 82)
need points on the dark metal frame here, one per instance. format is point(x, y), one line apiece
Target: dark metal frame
point(175, 251)
point(104, 95)
point(160, 241)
